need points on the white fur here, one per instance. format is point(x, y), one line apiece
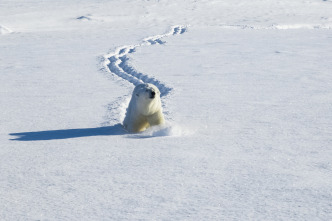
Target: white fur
point(143, 110)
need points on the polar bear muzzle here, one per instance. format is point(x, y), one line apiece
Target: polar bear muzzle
point(152, 94)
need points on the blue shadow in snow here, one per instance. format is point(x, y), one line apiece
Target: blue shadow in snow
point(116, 129)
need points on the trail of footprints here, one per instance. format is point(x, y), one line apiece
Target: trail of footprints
point(117, 62)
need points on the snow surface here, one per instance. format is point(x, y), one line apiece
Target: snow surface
point(247, 95)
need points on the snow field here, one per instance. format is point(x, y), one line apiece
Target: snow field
point(247, 102)
point(4, 30)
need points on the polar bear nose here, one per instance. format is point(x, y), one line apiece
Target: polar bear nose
point(153, 94)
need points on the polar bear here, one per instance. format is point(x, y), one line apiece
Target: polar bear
point(144, 109)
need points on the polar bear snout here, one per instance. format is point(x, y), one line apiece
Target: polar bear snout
point(152, 94)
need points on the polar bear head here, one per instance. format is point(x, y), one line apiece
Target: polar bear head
point(147, 99)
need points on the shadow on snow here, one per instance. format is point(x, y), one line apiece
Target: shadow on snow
point(69, 133)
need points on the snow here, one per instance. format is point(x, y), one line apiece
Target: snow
point(4, 30)
point(247, 94)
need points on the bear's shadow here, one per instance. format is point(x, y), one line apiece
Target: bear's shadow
point(116, 129)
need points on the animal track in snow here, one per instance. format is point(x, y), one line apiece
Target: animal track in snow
point(117, 61)
point(84, 18)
